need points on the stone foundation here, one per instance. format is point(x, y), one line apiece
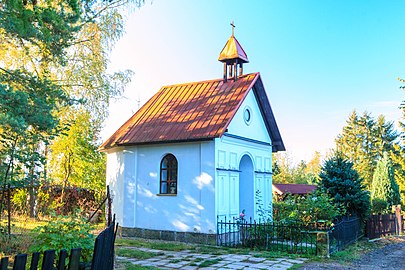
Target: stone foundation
point(187, 237)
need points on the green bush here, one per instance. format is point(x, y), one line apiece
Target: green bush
point(379, 206)
point(384, 188)
point(20, 202)
point(316, 207)
point(65, 233)
point(344, 186)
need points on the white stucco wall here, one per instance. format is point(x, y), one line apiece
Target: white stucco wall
point(256, 129)
point(191, 210)
point(241, 139)
point(209, 178)
point(115, 179)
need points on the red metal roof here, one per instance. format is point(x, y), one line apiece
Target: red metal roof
point(189, 112)
point(299, 189)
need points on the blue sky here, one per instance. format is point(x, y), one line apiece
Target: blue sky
point(319, 60)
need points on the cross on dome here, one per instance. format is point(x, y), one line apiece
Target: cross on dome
point(233, 27)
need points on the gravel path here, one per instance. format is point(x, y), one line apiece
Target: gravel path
point(391, 256)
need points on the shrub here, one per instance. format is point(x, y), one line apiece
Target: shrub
point(344, 186)
point(20, 202)
point(65, 233)
point(379, 206)
point(384, 188)
point(316, 207)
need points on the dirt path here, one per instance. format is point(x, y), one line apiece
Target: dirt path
point(391, 256)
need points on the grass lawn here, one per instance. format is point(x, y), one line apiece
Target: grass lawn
point(160, 245)
point(355, 251)
point(130, 266)
point(123, 249)
point(136, 254)
point(21, 235)
point(202, 249)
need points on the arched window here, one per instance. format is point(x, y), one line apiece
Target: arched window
point(168, 175)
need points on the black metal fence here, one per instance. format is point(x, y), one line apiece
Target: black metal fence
point(103, 255)
point(291, 238)
point(267, 235)
point(344, 232)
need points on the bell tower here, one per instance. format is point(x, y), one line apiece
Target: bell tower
point(233, 56)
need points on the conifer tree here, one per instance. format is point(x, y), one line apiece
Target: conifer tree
point(385, 190)
point(399, 158)
point(364, 140)
point(344, 186)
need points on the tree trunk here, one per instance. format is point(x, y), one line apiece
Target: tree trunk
point(32, 197)
point(68, 169)
point(9, 212)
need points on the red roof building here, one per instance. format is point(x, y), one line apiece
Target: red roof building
point(293, 189)
point(195, 153)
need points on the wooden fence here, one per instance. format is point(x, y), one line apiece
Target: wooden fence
point(103, 256)
point(383, 225)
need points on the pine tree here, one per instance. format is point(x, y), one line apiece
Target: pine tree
point(385, 190)
point(344, 186)
point(364, 141)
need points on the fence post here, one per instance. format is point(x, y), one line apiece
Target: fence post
point(322, 244)
point(48, 260)
point(34, 261)
point(9, 211)
point(109, 206)
point(20, 261)
point(74, 259)
point(62, 259)
point(398, 219)
point(4, 263)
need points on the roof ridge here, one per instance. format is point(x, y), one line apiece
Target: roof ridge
point(208, 81)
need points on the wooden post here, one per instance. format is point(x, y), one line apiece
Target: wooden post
point(62, 259)
point(34, 261)
point(4, 263)
point(19, 262)
point(398, 219)
point(109, 214)
point(74, 259)
point(225, 75)
point(48, 260)
point(235, 70)
point(9, 211)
